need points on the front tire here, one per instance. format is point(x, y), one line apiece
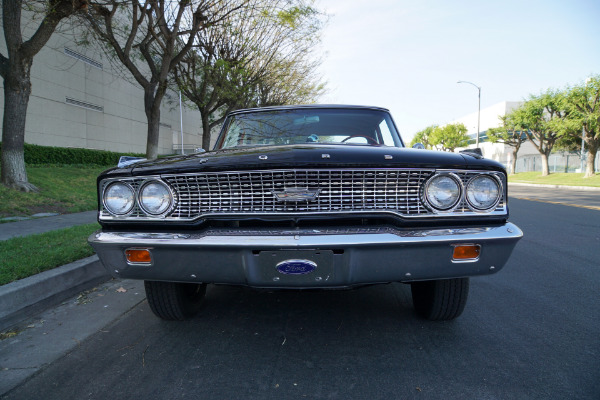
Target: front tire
point(440, 300)
point(174, 301)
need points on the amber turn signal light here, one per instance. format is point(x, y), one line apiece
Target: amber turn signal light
point(138, 256)
point(466, 252)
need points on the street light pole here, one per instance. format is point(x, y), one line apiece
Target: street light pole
point(478, 109)
point(181, 122)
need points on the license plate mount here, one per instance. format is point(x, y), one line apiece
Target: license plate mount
point(295, 267)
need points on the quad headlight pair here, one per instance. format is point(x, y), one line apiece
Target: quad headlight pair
point(444, 191)
point(153, 197)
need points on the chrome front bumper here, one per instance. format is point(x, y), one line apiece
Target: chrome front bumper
point(344, 257)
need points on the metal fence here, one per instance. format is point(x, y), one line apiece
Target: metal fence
point(557, 162)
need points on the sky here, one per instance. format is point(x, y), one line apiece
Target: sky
point(407, 56)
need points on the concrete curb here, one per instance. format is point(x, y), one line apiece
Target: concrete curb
point(27, 297)
point(587, 188)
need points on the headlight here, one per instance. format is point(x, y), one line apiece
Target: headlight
point(483, 192)
point(155, 198)
point(118, 198)
point(442, 192)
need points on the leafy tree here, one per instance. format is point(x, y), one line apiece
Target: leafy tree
point(256, 57)
point(15, 69)
point(424, 137)
point(287, 81)
point(510, 134)
point(569, 143)
point(583, 103)
point(150, 38)
point(450, 136)
point(543, 119)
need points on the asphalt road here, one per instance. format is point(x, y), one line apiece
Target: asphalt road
point(531, 331)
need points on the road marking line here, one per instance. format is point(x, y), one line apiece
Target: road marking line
point(556, 202)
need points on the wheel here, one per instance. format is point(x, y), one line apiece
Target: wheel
point(174, 301)
point(440, 300)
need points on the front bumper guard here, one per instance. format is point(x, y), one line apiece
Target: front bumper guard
point(344, 257)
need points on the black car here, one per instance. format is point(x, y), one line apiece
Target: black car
point(306, 197)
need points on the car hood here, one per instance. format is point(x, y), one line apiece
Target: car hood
point(307, 156)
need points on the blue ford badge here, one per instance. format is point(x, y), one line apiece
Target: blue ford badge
point(296, 267)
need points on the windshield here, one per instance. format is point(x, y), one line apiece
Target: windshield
point(310, 125)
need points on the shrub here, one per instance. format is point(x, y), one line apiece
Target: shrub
point(35, 154)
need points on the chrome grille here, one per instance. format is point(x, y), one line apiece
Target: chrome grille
point(338, 191)
point(396, 191)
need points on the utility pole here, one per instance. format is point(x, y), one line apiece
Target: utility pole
point(478, 109)
point(181, 121)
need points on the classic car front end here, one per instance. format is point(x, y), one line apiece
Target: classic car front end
point(306, 197)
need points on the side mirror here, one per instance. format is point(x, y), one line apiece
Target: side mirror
point(419, 146)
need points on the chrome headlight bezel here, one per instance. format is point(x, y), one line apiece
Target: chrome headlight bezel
point(499, 195)
point(144, 208)
point(109, 209)
point(426, 198)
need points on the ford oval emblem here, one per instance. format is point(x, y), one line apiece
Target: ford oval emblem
point(294, 194)
point(296, 267)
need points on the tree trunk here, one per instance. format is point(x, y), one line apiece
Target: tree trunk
point(152, 108)
point(591, 158)
point(205, 132)
point(17, 88)
point(513, 162)
point(545, 168)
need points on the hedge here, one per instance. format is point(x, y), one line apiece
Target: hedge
point(35, 154)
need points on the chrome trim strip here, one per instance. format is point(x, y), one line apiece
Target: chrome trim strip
point(291, 239)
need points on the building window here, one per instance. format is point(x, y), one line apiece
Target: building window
point(83, 104)
point(83, 58)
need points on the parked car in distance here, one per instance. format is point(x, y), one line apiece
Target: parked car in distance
point(300, 197)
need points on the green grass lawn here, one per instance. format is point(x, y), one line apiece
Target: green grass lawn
point(555, 179)
point(63, 189)
point(30, 255)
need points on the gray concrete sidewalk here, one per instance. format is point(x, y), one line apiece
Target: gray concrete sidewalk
point(570, 196)
point(560, 187)
point(45, 224)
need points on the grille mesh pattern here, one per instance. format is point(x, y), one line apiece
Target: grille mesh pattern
point(339, 191)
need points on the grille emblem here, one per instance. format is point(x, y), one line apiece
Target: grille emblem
point(294, 194)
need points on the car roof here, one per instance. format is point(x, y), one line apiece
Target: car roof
point(307, 106)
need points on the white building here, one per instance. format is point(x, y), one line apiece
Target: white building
point(78, 100)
